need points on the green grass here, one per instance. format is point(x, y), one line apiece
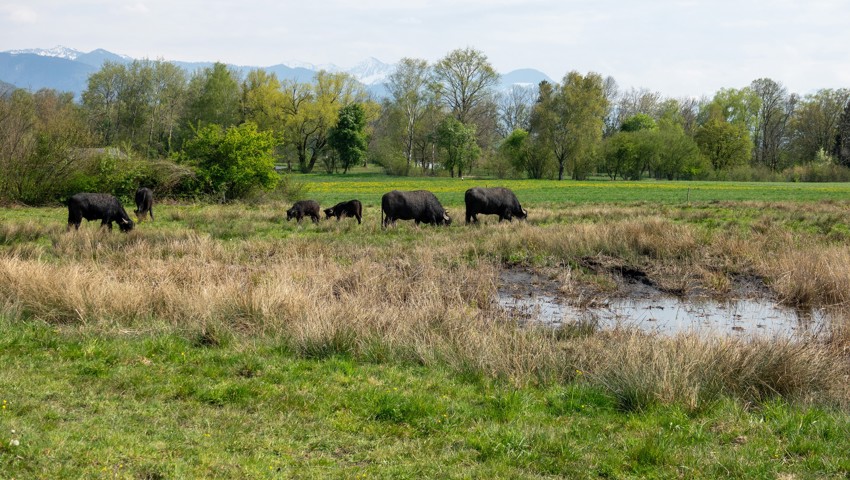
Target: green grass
point(165, 406)
point(368, 188)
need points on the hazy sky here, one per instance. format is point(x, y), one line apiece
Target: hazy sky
point(676, 47)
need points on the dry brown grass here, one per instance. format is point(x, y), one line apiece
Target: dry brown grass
point(429, 299)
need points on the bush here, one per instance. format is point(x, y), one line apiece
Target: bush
point(816, 172)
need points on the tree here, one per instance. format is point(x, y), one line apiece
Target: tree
point(842, 146)
point(215, 97)
point(724, 144)
point(515, 109)
point(263, 101)
point(465, 80)
point(232, 161)
point(776, 107)
point(408, 85)
point(169, 89)
point(348, 137)
point(814, 125)
point(312, 109)
point(678, 155)
point(458, 143)
point(638, 121)
point(519, 148)
point(570, 119)
point(140, 104)
point(735, 106)
point(101, 99)
point(40, 139)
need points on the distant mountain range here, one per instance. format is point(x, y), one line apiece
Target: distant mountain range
point(67, 70)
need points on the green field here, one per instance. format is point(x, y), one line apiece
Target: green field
point(368, 187)
point(221, 341)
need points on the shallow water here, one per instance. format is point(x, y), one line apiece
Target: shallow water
point(670, 315)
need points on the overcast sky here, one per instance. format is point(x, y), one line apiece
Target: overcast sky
point(675, 47)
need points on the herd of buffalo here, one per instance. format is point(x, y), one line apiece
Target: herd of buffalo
point(421, 206)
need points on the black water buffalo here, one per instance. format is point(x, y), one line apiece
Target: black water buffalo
point(304, 208)
point(144, 203)
point(419, 206)
point(97, 206)
point(351, 208)
point(492, 201)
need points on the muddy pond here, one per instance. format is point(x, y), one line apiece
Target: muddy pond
point(531, 298)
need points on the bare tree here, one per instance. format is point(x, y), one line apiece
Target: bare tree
point(465, 80)
point(776, 107)
point(408, 86)
point(515, 109)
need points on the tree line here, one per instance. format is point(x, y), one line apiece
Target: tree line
point(214, 132)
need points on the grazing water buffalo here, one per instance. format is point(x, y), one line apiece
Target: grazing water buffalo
point(144, 203)
point(351, 208)
point(419, 206)
point(304, 208)
point(97, 206)
point(492, 201)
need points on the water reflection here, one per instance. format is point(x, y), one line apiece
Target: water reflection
point(669, 315)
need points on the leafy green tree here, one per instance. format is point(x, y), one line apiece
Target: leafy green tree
point(724, 144)
point(524, 155)
point(638, 121)
point(101, 99)
point(140, 104)
point(214, 97)
point(263, 101)
point(312, 109)
point(458, 143)
point(678, 155)
point(570, 119)
point(232, 161)
point(348, 137)
point(735, 106)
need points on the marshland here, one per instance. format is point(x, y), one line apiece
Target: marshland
point(224, 341)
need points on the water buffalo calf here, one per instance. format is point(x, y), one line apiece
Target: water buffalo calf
point(144, 203)
point(351, 208)
point(304, 208)
point(97, 206)
point(492, 201)
point(418, 205)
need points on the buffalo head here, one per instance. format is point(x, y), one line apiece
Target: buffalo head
point(523, 215)
point(329, 212)
point(125, 224)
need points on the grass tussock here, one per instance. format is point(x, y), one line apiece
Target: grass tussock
point(813, 276)
point(698, 371)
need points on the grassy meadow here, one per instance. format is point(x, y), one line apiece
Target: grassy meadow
point(221, 341)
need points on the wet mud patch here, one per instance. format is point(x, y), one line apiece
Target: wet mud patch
point(637, 301)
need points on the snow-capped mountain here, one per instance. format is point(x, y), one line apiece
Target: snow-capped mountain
point(67, 69)
point(372, 71)
point(58, 51)
point(330, 67)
